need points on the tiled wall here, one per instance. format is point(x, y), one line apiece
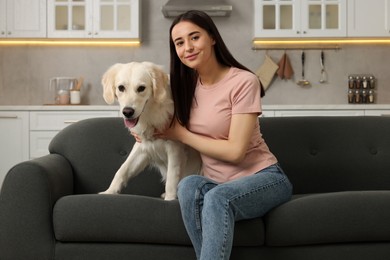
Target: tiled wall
point(25, 71)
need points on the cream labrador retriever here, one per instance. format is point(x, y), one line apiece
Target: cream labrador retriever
point(144, 96)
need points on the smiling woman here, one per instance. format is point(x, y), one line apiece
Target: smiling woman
point(217, 102)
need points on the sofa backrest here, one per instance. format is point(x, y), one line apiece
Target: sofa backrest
point(327, 154)
point(96, 148)
point(319, 154)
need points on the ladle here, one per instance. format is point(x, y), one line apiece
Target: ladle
point(303, 82)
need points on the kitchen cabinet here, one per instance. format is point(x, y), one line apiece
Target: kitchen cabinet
point(368, 18)
point(26, 132)
point(94, 19)
point(377, 112)
point(44, 125)
point(13, 140)
point(22, 18)
point(300, 18)
point(267, 113)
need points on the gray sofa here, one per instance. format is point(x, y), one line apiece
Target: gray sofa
point(339, 166)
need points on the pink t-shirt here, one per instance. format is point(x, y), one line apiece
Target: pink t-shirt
point(237, 93)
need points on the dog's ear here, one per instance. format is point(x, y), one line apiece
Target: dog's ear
point(160, 81)
point(108, 82)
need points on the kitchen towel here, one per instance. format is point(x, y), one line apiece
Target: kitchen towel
point(266, 71)
point(285, 70)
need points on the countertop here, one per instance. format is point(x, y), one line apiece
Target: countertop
point(265, 107)
point(328, 107)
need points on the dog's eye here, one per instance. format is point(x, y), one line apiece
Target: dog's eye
point(141, 88)
point(121, 88)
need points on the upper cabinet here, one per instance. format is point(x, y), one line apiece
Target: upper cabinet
point(22, 18)
point(300, 18)
point(93, 19)
point(368, 18)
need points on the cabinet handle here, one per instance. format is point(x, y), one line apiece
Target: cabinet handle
point(8, 117)
point(70, 121)
point(2, 32)
point(304, 32)
point(9, 33)
point(298, 32)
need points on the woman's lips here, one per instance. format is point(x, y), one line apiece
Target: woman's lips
point(192, 57)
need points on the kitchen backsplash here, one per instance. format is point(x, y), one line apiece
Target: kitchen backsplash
point(25, 70)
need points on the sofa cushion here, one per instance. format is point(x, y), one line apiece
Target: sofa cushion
point(339, 217)
point(133, 219)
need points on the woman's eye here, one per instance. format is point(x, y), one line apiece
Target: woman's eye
point(195, 38)
point(178, 44)
point(141, 89)
point(121, 88)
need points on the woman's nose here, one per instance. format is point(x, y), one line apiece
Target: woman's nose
point(189, 47)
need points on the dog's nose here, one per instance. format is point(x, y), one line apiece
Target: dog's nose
point(128, 112)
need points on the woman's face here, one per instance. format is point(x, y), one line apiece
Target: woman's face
point(193, 44)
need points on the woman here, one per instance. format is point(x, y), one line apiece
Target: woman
point(217, 104)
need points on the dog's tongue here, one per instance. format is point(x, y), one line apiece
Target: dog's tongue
point(130, 123)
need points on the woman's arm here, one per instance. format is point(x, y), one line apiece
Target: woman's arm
point(231, 150)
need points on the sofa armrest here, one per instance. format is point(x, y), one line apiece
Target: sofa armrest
point(27, 197)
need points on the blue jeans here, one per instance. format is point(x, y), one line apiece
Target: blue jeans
point(210, 209)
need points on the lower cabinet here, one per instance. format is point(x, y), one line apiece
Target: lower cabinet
point(13, 140)
point(27, 134)
point(377, 112)
point(44, 125)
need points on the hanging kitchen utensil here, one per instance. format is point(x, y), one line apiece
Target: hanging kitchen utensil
point(285, 70)
point(267, 71)
point(303, 82)
point(324, 76)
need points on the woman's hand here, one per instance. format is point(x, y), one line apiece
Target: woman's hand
point(173, 132)
point(137, 138)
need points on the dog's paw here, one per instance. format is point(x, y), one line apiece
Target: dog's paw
point(108, 192)
point(168, 196)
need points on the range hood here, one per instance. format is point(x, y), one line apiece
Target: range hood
point(174, 8)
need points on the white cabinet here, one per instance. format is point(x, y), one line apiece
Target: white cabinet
point(377, 112)
point(300, 18)
point(22, 18)
point(13, 140)
point(368, 18)
point(3, 18)
point(267, 113)
point(93, 19)
point(44, 125)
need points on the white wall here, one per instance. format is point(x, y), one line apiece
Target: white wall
point(25, 71)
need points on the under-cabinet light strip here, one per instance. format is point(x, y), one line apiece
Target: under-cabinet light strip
point(324, 41)
point(313, 44)
point(69, 43)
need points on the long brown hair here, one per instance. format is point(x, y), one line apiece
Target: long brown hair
point(182, 78)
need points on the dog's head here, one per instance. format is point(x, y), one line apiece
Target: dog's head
point(134, 85)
